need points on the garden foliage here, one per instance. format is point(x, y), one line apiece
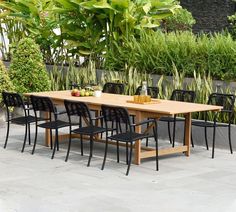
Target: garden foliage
point(5, 82)
point(27, 70)
point(156, 52)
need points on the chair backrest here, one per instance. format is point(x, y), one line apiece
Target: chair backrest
point(225, 100)
point(115, 88)
point(152, 91)
point(118, 115)
point(43, 104)
point(183, 95)
point(11, 99)
point(74, 85)
point(75, 108)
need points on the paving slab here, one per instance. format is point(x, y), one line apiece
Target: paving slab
point(183, 184)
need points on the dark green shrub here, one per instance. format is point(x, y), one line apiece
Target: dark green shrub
point(156, 52)
point(5, 82)
point(181, 20)
point(27, 70)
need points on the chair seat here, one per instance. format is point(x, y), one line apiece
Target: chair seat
point(90, 130)
point(23, 120)
point(54, 124)
point(171, 119)
point(202, 123)
point(128, 136)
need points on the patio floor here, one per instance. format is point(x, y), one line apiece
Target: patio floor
point(37, 183)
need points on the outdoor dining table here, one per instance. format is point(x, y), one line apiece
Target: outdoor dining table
point(141, 111)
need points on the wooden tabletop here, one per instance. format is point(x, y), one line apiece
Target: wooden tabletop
point(164, 107)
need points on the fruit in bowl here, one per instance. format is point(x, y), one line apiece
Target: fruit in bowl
point(82, 92)
point(75, 92)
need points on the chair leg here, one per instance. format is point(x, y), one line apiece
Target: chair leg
point(169, 132)
point(81, 145)
point(23, 147)
point(156, 142)
point(105, 154)
point(55, 143)
point(213, 144)
point(91, 150)
point(130, 158)
point(29, 137)
point(147, 138)
point(51, 143)
point(35, 138)
point(192, 139)
point(8, 127)
point(174, 127)
point(230, 144)
point(127, 155)
point(68, 150)
point(206, 138)
point(118, 151)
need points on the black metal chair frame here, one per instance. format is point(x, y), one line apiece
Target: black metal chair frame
point(45, 104)
point(80, 109)
point(151, 90)
point(227, 102)
point(120, 115)
point(11, 100)
point(178, 95)
point(114, 88)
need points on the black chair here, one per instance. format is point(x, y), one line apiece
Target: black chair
point(15, 100)
point(120, 115)
point(227, 102)
point(45, 104)
point(152, 91)
point(114, 88)
point(183, 96)
point(81, 110)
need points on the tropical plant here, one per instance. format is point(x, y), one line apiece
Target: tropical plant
point(5, 82)
point(85, 27)
point(27, 70)
point(36, 21)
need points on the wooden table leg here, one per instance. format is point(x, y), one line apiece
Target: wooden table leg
point(188, 127)
point(137, 146)
point(47, 131)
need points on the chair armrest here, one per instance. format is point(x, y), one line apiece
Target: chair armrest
point(144, 122)
point(97, 118)
point(60, 112)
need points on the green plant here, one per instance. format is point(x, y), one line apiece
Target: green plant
point(62, 77)
point(27, 70)
point(156, 52)
point(34, 18)
point(5, 82)
point(130, 76)
point(181, 20)
point(85, 27)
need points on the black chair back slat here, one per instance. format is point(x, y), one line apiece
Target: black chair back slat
point(183, 95)
point(118, 115)
point(114, 88)
point(12, 99)
point(225, 100)
point(152, 91)
point(43, 104)
point(79, 109)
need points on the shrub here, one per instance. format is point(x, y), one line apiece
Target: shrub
point(181, 20)
point(5, 82)
point(27, 70)
point(156, 52)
